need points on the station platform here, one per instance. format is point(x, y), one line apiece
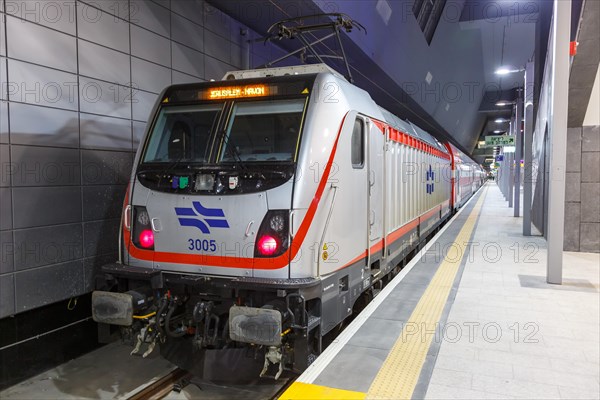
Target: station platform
point(471, 317)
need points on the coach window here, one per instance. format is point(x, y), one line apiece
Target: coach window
point(358, 144)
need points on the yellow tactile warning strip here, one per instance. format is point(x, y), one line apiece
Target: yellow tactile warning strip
point(400, 371)
point(307, 391)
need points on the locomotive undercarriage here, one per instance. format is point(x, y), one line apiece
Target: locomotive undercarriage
point(209, 325)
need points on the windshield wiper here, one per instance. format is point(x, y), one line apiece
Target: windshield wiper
point(232, 150)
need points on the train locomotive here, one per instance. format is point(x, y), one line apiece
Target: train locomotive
point(262, 210)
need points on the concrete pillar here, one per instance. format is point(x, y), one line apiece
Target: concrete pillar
point(518, 153)
point(527, 148)
point(557, 129)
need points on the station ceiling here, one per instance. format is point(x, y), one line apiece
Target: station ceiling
point(448, 87)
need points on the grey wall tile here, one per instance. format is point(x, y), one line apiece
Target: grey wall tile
point(92, 268)
point(116, 8)
point(574, 150)
point(186, 32)
point(217, 46)
point(101, 132)
point(151, 16)
point(38, 247)
point(101, 237)
point(2, 30)
point(590, 167)
point(164, 3)
point(590, 238)
point(7, 295)
point(59, 15)
point(45, 166)
point(3, 121)
point(572, 220)
point(139, 129)
point(7, 252)
point(103, 201)
point(3, 78)
point(150, 46)
point(106, 167)
point(103, 63)
point(143, 105)
point(105, 98)
point(148, 76)
point(573, 187)
point(6, 208)
point(240, 33)
point(591, 138)
point(40, 45)
point(42, 206)
point(6, 170)
point(187, 60)
point(43, 126)
point(590, 202)
point(33, 290)
point(103, 28)
point(217, 21)
point(192, 9)
point(215, 69)
point(238, 55)
point(43, 86)
point(180, 77)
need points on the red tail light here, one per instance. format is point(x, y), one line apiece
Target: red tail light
point(267, 245)
point(142, 233)
point(147, 239)
point(273, 236)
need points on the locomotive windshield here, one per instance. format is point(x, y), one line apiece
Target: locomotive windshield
point(182, 134)
point(256, 131)
point(263, 131)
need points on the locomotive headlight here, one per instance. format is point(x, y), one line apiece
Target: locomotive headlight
point(143, 218)
point(277, 222)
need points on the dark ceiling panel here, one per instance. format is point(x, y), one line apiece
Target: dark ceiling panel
point(494, 10)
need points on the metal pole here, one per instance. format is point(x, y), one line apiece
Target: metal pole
point(511, 176)
point(527, 155)
point(557, 130)
point(518, 154)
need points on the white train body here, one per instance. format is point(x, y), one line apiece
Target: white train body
point(306, 195)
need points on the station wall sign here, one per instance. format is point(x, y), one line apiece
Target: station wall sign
point(504, 140)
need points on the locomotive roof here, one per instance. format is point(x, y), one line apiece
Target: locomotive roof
point(411, 129)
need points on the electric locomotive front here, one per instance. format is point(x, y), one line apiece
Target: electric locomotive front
point(206, 236)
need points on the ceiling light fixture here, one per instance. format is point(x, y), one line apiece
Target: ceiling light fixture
point(507, 70)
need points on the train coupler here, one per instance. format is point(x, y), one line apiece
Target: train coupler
point(141, 339)
point(273, 356)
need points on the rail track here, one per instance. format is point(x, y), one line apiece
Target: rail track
point(179, 384)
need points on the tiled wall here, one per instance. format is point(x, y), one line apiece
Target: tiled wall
point(582, 208)
point(78, 79)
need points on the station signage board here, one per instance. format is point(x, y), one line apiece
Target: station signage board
point(503, 140)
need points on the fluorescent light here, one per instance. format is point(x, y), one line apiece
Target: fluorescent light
point(503, 71)
point(507, 70)
point(497, 131)
point(509, 149)
point(503, 103)
point(500, 120)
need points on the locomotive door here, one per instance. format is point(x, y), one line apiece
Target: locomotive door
point(375, 162)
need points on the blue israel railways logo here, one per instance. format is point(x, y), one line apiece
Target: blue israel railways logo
point(430, 176)
point(201, 217)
